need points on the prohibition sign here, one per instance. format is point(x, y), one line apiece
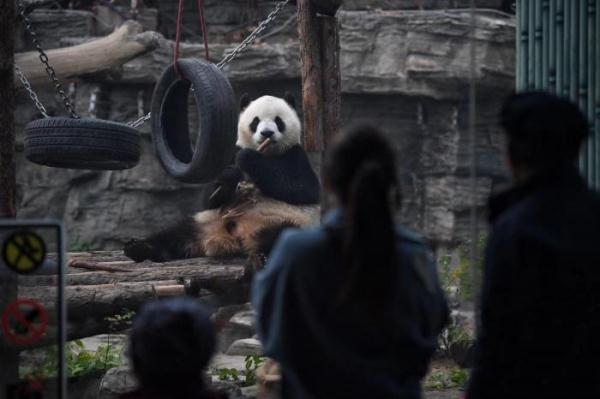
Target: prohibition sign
point(24, 251)
point(24, 322)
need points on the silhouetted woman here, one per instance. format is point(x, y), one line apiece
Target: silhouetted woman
point(352, 309)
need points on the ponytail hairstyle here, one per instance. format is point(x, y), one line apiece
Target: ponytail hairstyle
point(360, 170)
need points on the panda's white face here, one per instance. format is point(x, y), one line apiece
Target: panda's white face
point(269, 117)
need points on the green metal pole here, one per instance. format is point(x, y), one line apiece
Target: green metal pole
point(518, 36)
point(545, 36)
point(581, 93)
point(551, 48)
point(560, 39)
point(596, 68)
point(590, 95)
point(537, 35)
point(531, 45)
point(573, 49)
point(524, 40)
point(566, 47)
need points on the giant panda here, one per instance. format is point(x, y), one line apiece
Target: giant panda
point(252, 200)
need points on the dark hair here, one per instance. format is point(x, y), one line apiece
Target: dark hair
point(544, 131)
point(171, 342)
point(360, 169)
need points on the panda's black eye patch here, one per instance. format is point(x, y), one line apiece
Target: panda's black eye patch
point(254, 124)
point(280, 124)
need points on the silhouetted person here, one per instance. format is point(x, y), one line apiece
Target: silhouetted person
point(352, 309)
point(171, 343)
point(540, 302)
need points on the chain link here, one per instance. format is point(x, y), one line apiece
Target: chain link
point(140, 121)
point(44, 59)
point(27, 86)
point(252, 36)
point(235, 52)
point(143, 119)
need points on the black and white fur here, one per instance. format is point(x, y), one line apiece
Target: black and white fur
point(253, 199)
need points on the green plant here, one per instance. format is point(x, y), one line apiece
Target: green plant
point(449, 377)
point(460, 274)
point(252, 363)
point(454, 334)
point(80, 246)
point(121, 321)
point(80, 361)
point(226, 374)
point(245, 378)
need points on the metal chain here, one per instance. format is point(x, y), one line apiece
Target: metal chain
point(27, 86)
point(143, 119)
point(252, 36)
point(140, 121)
point(44, 59)
point(235, 52)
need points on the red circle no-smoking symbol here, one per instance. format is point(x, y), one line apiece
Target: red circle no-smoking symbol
point(24, 322)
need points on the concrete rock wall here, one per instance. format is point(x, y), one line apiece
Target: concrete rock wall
point(404, 71)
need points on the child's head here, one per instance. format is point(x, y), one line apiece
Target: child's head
point(171, 343)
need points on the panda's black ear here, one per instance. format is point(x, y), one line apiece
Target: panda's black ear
point(244, 101)
point(289, 98)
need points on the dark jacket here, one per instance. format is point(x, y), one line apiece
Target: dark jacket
point(540, 303)
point(330, 352)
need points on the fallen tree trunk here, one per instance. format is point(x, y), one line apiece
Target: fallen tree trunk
point(208, 275)
point(101, 300)
point(70, 63)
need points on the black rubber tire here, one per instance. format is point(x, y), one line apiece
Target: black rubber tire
point(218, 114)
point(82, 144)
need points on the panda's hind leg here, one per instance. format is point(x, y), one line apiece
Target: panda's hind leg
point(265, 238)
point(218, 237)
point(176, 242)
point(263, 241)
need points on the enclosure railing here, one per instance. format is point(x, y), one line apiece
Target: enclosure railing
point(558, 50)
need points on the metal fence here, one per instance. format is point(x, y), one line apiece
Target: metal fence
point(558, 50)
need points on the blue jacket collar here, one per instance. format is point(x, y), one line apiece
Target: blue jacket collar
point(334, 218)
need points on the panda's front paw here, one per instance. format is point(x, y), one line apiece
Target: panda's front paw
point(224, 188)
point(138, 250)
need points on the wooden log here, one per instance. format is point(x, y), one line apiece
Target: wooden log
point(99, 266)
point(70, 63)
point(312, 90)
point(99, 301)
point(207, 274)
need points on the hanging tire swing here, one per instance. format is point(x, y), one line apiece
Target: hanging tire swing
point(215, 102)
point(202, 161)
point(82, 144)
point(75, 143)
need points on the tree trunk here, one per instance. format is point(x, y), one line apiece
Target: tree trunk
point(7, 107)
point(312, 90)
point(70, 63)
point(9, 371)
point(330, 63)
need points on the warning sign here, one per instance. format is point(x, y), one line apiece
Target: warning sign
point(24, 322)
point(24, 251)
